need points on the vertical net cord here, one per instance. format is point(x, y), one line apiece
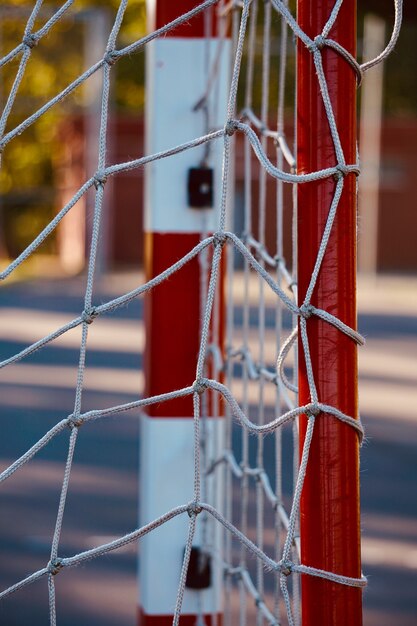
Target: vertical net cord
point(204, 437)
point(216, 415)
point(230, 259)
point(220, 413)
point(294, 378)
point(204, 269)
point(210, 402)
point(278, 313)
point(213, 281)
point(87, 302)
point(246, 311)
point(261, 307)
point(227, 479)
point(186, 559)
point(294, 517)
point(296, 583)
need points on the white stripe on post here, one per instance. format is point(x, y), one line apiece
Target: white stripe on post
point(167, 455)
point(176, 80)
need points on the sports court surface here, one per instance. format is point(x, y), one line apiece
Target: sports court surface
point(103, 495)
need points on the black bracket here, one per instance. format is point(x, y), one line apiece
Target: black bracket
point(200, 188)
point(199, 569)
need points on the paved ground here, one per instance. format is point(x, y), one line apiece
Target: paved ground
point(103, 495)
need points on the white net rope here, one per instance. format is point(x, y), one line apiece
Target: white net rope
point(272, 274)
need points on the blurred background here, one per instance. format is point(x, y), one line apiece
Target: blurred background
point(52, 158)
point(41, 170)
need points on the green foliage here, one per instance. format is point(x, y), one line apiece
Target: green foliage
point(27, 172)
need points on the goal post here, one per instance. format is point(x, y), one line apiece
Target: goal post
point(329, 507)
point(182, 198)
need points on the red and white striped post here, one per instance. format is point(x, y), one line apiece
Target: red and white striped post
point(330, 532)
point(176, 79)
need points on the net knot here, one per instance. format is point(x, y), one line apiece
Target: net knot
point(200, 386)
point(219, 239)
point(74, 422)
point(100, 179)
point(285, 567)
point(306, 311)
point(312, 410)
point(257, 475)
point(342, 171)
point(110, 57)
point(194, 509)
point(231, 127)
point(54, 566)
point(30, 41)
point(89, 315)
point(318, 43)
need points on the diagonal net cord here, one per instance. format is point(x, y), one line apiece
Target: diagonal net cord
point(284, 565)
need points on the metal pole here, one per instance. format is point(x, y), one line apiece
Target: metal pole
point(329, 512)
point(178, 213)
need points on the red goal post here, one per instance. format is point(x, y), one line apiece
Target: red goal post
point(329, 507)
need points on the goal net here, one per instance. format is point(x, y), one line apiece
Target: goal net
point(249, 499)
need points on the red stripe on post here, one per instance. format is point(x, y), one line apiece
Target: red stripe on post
point(185, 620)
point(330, 531)
point(172, 318)
point(166, 12)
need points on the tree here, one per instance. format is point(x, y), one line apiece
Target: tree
point(26, 175)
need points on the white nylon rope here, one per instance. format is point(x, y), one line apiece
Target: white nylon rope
point(286, 564)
